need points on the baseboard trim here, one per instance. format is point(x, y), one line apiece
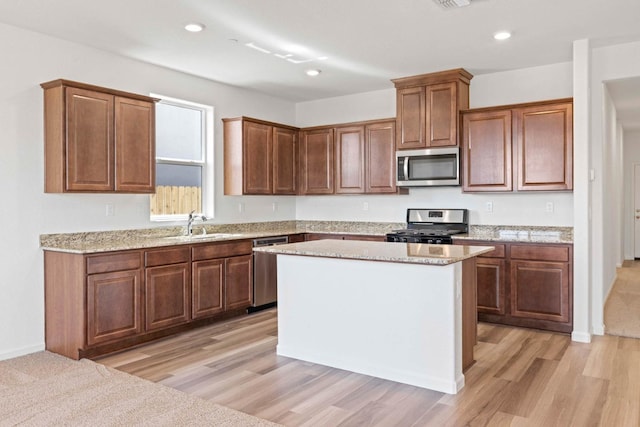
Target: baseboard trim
point(581, 337)
point(17, 352)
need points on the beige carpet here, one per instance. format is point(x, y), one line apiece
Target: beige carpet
point(44, 389)
point(622, 309)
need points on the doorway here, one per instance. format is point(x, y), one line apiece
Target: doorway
point(636, 209)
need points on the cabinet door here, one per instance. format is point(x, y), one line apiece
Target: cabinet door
point(486, 157)
point(89, 143)
point(349, 163)
point(316, 162)
point(257, 158)
point(442, 115)
point(113, 306)
point(491, 285)
point(237, 280)
point(284, 161)
point(167, 295)
point(380, 162)
point(207, 291)
point(544, 141)
point(540, 290)
point(411, 117)
point(135, 156)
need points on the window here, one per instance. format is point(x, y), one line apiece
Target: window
point(184, 160)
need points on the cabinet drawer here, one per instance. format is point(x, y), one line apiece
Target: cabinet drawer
point(166, 256)
point(113, 262)
point(540, 253)
point(221, 250)
point(498, 252)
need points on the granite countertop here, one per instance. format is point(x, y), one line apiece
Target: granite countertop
point(410, 253)
point(118, 240)
point(526, 234)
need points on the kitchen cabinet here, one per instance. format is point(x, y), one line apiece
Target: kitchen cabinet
point(237, 282)
point(427, 108)
point(167, 287)
point(222, 277)
point(259, 157)
point(380, 160)
point(113, 297)
point(525, 284)
point(543, 137)
point(486, 145)
point(524, 147)
point(491, 269)
point(349, 161)
point(355, 158)
point(208, 288)
point(540, 282)
point(98, 140)
point(99, 303)
point(317, 161)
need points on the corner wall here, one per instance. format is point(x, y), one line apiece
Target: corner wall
point(26, 212)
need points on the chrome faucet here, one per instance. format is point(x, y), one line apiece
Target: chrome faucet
point(192, 217)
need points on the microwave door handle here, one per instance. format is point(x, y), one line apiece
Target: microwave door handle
point(406, 168)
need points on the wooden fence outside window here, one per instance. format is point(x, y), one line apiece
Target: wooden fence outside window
point(172, 200)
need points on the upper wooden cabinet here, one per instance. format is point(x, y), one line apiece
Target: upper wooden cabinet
point(259, 157)
point(317, 161)
point(543, 138)
point(98, 139)
point(356, 158)
point(380, 157)
point(349, 162)
point(526, 147)
point(427, 108)
point(486, 147)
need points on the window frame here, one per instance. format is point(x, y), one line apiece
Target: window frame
point(206, 162)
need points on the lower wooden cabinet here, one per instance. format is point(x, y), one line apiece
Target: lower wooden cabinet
point(99, 303)
point(525, 284)
point(208, 284)
point(491, 284)
point(166, 296)
point(113, 306)
point(237, 282)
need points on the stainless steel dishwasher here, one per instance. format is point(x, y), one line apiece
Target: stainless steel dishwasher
point(265, 277)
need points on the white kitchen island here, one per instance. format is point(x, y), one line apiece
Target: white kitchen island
point(400, 311)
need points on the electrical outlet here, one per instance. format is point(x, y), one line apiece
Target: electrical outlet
point(274, 206)
point(548, 207)
point(488, 206)
point(110, 210)
point(365, 206)
point(240, 207)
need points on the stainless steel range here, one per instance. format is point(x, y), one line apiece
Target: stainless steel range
point(435, 226)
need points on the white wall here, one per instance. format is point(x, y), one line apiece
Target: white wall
point(631, 156)
point(532, 84)
point(29, 59)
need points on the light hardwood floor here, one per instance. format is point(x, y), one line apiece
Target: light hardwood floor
point(521, 378)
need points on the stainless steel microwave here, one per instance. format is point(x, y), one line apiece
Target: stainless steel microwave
point(428, 167)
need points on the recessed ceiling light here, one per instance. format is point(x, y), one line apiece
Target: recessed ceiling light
point(502, 35)
point(194, 27)
point(313, 73)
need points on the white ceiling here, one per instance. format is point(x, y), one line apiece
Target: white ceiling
point(366, 42)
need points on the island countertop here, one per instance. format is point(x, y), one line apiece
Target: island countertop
point(409, 253)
